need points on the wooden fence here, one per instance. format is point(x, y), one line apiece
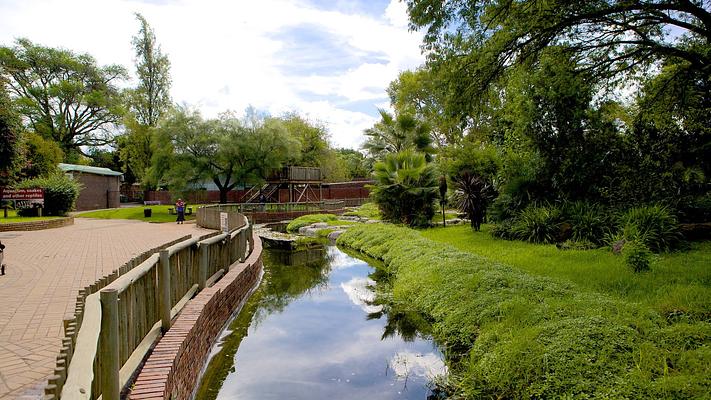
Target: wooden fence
point(209, 216)
point(122, 317)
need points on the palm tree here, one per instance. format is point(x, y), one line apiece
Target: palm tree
point(395, 134)
point(405, 188)
point(472, 197)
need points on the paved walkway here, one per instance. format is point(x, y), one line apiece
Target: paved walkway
point(45, 270)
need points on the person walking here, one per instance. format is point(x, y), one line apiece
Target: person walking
point(180, 209)
point(2, 252)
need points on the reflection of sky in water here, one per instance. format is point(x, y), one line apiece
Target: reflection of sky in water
point(358, 291)
point(321, 346)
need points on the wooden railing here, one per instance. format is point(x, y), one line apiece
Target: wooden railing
point(209, 216)
point(121, 321)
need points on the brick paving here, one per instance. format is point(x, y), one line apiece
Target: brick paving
point(45, 270)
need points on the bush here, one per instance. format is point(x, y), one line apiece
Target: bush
point(655, 226)
point(538, 224)
point(367, 210)
point(637, 256)
point(60, 193)
point(405, 188)
point(695, 209)
point(305, 220)
point(503, 229)
point(589, 222)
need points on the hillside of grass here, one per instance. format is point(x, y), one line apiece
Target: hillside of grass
point(679, 283)
point(159, 214)
point(12, 217)
point(508, 332)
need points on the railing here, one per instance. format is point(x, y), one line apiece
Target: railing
point(123, 320)
point(311, 174)
point(209, 216)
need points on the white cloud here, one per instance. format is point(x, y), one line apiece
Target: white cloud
point(227, 55)
point(360, 294)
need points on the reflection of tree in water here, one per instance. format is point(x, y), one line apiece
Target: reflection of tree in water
point(401, 320)
point(287, 276)
point(290, 274)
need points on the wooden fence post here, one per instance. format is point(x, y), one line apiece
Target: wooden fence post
point(164, 290)
point(204, 259)
point(109, 345)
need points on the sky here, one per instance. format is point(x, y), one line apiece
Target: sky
point(329, 60)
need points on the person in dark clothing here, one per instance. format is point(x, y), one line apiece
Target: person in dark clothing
point(180, 209)
point(2, 252)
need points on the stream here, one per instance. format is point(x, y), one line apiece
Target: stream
point(313, 331)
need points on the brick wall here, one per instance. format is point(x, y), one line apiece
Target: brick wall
point(37, 225)
point(173, 367)
point(100, 191)
point(329, 191)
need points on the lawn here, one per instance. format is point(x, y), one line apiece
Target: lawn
point(678, 282)
point(12, 217)
point(159, 214)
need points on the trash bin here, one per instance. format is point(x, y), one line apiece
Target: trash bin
point(147, 212)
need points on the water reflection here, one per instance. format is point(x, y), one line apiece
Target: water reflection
point(316, 329)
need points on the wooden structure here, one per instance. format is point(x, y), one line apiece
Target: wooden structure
point(118, 319)
point(301, 184)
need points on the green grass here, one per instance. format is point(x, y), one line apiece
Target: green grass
point(159, 214)
point(367, 210)
point(540, 331)
point(678, 281)
point(12, 217)
point(309, 219)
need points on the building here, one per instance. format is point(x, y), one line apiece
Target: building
point(100, 186)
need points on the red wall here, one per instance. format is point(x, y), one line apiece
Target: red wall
point(329, 191)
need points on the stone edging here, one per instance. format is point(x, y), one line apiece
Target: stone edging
point(173, 368)
point(37, 225)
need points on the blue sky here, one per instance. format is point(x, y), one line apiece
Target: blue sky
point(328, 60)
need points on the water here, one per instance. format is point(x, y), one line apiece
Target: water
point(313, 331)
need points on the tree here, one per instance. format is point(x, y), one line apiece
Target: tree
point(423, 93)
point(405, 188)
point(151, 99)
point(393, 134)
point(9, 137)
point(608, 38)
point(472, 196)
point(312, 136)
point(357, 166)
point(135, 149)
point(64, 96)
point(41, 156)
point(226, 151)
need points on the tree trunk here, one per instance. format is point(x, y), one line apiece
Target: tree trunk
point(223, 195)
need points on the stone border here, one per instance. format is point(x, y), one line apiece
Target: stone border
point(37, 225)
point(172, 370)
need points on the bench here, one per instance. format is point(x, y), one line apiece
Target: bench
point(151, 203)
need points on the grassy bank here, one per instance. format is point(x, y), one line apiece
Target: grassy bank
point(510, 333)
point(159, 214)
point(12, 217)
point(679, 283)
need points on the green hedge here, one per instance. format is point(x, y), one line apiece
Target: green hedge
point(60, 192)
point(509, 334)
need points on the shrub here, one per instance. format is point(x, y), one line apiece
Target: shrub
point(472, 196)
point(405, 188)
point(503, 229)
point(305, 220)
point(367, 210)
point(589, 222)
point(538, 224)
point(655, 226)
point(60, 193)
point(637, 256)
point(695, 209)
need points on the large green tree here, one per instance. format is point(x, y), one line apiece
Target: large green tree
point(608, 37)
point(64, 96)
point(151, 99)
point(227, 151)
point(9, 136)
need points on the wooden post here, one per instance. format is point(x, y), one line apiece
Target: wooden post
point(202, 275)
point(164, 290)
point(110, 389)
